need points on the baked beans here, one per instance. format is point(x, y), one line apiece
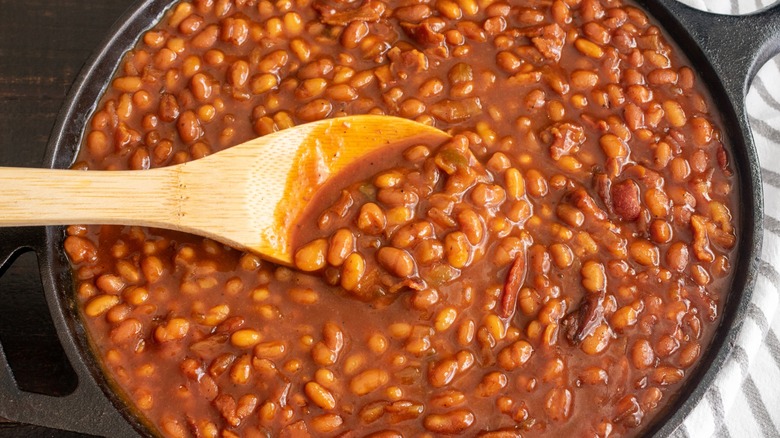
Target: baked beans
point(556, 268)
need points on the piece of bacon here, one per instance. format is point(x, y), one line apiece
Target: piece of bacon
point(512, 285)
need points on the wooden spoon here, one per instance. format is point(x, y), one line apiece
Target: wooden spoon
point(248, 196)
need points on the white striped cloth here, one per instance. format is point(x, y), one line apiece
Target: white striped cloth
point(745, 399)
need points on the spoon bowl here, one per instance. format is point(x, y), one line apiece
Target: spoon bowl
point(248, 196)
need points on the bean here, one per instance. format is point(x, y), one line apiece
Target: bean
point(492, 384)
point(312, 256)
point(320, 396)
point(515, 355)
point(371, 219)
point(445, 319)
point(536, 183)
point(394, 197)
point(598, 341)
point(515, 184)
point(80, 250)
point(245, 338)
point(173, 330)
point(378, 343)
point(562, 255)
point(666, 375)
point(441, 374)
point(327, 423)
point(508, 61)
point(660, 231)
point(397, 261)
point(584, 79)
point(368, 381)
point(657, 202)
point(449, 423)
point(593, 276)
point(644, 252)
point(588, 48)
point(596, 32)
point(570, 215)
point(263, 83)
point(173, 427)
point(303, 296)
point(428, 252)
point(340, 246)
point(109, 283)
point(354, 34)
point(558, 403)
point(241, 371)
point(413, 13)
point(127, 84)
point(472, 226)
point(466, 332)
point(642, 354)
point(270, 350)
point(624, 317)
point(126, 331)
point(689, 353)
point(457, 249)
point(317, 109)
point(662, 76)
point(674, 113)
point(594, 376)
point(625, 200)
point(189, 127)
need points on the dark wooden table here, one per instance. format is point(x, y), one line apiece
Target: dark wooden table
point(43, 45)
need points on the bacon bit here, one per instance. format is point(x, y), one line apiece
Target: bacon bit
point(582, 200)
point(597, 124)
point(581, 322)
point(723, 238)
point(369, 11)
point(385, 77)
point(723, 160)
point(566, 137)
point(514, 281)
point(409, 283)
point(603, 185)
point(409, 61)
point(226, 405)
point(424, 34)
point(455, 111)
point(550, 43)
point(701, 241)
point(209, 347)
point(295, 430)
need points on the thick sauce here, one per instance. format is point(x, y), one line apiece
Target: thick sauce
point(555, 269)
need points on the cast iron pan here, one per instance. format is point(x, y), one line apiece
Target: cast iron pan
point(726, 52)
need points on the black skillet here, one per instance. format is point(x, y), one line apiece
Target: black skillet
point(726, 52)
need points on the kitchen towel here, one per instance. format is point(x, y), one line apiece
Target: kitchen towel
point(745, 399)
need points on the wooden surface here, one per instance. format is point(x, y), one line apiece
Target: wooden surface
point(43, 44)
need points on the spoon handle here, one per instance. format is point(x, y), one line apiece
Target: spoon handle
point(59, 197)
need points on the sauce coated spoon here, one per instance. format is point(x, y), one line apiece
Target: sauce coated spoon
point(248, 196)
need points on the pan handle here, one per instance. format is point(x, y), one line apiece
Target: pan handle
point(86, 409)
point(735, 45)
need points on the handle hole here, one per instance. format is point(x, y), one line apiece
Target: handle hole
point(27, 333)
point(732, 7)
